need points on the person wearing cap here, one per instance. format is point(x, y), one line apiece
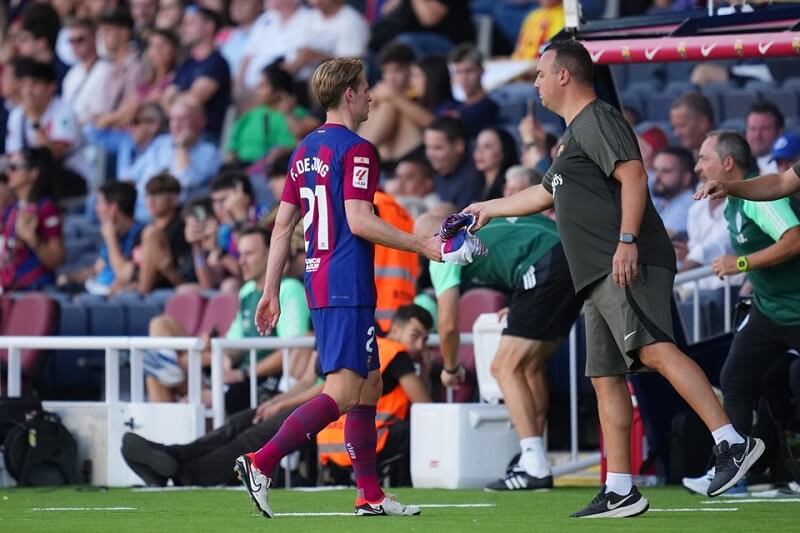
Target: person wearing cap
point(127, 71)
point(785, 151)
point(651, 141)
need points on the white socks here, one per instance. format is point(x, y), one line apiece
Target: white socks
point(618, 483)
point(533, 458)
point(727, 433)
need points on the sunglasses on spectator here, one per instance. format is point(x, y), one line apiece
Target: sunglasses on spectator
point(77, 40)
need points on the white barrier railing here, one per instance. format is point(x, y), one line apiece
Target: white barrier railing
point(694, 277)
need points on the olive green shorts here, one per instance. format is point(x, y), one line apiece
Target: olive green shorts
point(620, 320)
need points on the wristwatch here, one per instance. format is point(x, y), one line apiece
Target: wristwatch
point(627, 238)
point(741, 263)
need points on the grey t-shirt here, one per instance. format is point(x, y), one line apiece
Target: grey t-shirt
point(587, 196)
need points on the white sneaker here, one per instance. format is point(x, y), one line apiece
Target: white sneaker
point(388, 506)
point(699, 485)
point(256, 483)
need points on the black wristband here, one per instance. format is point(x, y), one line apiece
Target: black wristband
point(453, 371)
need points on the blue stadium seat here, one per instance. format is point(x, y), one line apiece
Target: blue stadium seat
point(620, 74)
point(657, 107)
point(159, 297)
point(124, 298)
point(139, 315)
point(758, 86)
point(513, 101)
point(792, 83)
point(87, 299)
point(785, 99)
point(676, 88)
point(736, 124)
point(632, 99)
point(652, 73)
point(736, 103)
point(679, 71)
point(106, 318)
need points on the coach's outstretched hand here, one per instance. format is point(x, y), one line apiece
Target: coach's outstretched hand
point(482, 213)
point(712, 189)
point(267, 313)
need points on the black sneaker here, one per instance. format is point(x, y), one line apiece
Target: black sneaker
point(733, 462)
point(612, 505)
point(519, 479)
point(153, 462)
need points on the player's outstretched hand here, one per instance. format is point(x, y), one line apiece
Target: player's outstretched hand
point(711, 189)
point(454, 380)
point(267, 313)
point(432, 249)
point(482, 213)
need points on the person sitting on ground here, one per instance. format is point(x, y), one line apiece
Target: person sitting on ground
point(32, 245)
point(166, 370)
point(206, 461)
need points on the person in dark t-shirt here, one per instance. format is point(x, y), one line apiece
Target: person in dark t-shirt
point(622, 261)
point(445, 18)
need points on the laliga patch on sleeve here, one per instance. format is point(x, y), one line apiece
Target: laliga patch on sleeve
point(360, 177)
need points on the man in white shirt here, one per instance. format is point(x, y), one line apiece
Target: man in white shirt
point(244, 13)
point(85, 82)
point(279, 32)
point(43, 120)
point(335, 30)
point(764, 125)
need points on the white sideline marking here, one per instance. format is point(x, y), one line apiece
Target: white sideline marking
point(698, 510)
point(84, 509)
point(425, 506)
point(755, 500)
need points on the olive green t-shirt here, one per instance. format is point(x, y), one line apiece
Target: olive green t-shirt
point(587, 196)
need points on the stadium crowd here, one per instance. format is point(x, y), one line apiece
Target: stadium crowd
point(147, 142)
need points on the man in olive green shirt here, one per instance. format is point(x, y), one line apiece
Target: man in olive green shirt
point(766, 240)
point(525, 259)
point(621, 258)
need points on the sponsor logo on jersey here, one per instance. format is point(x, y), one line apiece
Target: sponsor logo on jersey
point(312, 264)
point(360, 176)
point(557, 181)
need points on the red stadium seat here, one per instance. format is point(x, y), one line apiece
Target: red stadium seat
point(187, 308)
point(31, 315)
point(473, 303)
point(219, 313)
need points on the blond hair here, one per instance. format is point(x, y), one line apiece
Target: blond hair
point(333, 77)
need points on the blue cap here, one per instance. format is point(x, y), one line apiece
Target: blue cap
point(786, 147)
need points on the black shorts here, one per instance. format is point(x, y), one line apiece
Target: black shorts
point(544, 306)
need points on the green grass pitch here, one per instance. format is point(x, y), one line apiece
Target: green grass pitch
point(121, 510)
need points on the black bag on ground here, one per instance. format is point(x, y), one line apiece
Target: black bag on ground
point(690, 449)
point(41, 452)
point(13, 412)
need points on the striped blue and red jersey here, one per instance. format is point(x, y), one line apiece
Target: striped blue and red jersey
point(333, 164)
point(20, 267)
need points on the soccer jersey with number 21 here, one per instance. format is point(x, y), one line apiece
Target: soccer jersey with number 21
point(331, 165)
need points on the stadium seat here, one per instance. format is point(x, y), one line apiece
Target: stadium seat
point(679, 71)
point(139, 315)
point(650, 73)
point(219, 313)
point(33, 314)
point(675, 88)
point(632, 99)
point(6, 302)
point(792, 83)
point(66, 376)
point(620, 75)
point(736, 103)
point(758, 86)
point(785, 99)
point(123, 298)
point(105, 318)
point(159, 297)
point(187, 309)
point(473, 303)
point(513, 101)
point(657, 106)
point(735, 124)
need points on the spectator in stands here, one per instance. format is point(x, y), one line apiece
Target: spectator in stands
point(398, 120)
point(32, 247)
point(766, 238)
point(37, 37)
point(672, 193)
point(182, 152)
point(631, 115)
point(541, 25)
point(785, 152)
point(431, 27)
point(114, 270)
point(457, 180)
point(335, 29)
point(170, 14)
point(692, 119)
point(166, 380)
point(651, 141)
point(45, 120)
point(161, 57)
point(11, 97)
point(127, 72)
point(477, 110)
point(764, 124)
point(213, 268)
point(495, 151)
point(66, 10)
point(278, 33)
point(164, 258)
point(143, 13)
point(413, 186)
point(95, 9)
point(243, 15)
point(234, 206)
point(537, 143)
point(204, 74)
point(206, 461)
point(85, 83)
point(277, 122)
point(518, 178)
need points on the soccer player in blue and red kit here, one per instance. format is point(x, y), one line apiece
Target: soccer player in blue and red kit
point(333, 175)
